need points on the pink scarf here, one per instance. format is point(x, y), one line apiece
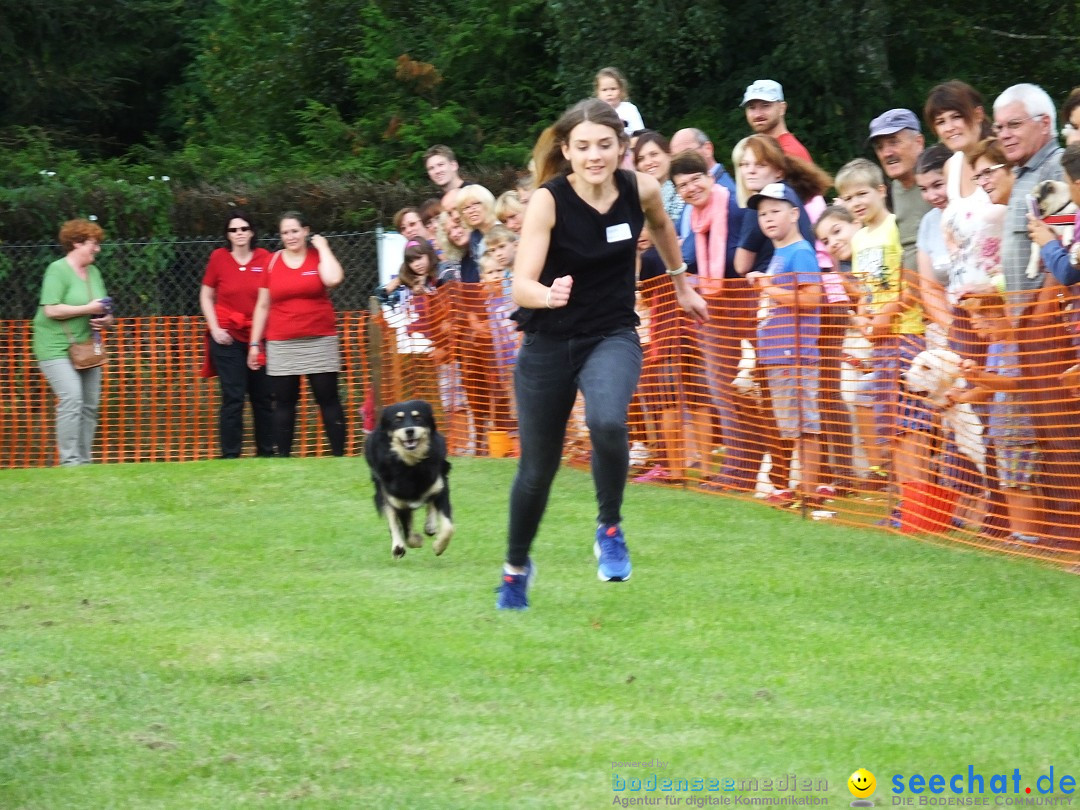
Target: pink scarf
point(709, 225)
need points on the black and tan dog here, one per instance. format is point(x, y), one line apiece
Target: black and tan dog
point(407, 457)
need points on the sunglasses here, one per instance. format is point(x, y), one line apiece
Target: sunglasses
point(241, 229)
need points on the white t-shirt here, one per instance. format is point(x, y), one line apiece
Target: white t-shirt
point(630, 116)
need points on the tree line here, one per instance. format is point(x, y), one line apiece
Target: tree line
point(230, 98)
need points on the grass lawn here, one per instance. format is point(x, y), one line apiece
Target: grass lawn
point(235, 634)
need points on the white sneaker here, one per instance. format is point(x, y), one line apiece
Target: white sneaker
point(639, 454)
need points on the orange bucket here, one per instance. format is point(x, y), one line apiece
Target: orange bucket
point(926, 507)
point(498, 443)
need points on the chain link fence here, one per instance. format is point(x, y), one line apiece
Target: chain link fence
point(162, 276)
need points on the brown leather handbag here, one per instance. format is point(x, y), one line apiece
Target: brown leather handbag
point(86, 353)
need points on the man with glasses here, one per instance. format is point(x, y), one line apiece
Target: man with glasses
point(1025, 124)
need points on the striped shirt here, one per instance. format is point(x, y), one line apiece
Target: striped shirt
point(1015, 244)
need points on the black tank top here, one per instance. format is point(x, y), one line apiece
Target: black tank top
point(599, 252)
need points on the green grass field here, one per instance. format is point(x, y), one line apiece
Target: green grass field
point(235, 634)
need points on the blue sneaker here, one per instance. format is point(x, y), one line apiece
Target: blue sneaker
point(612, 555)
point(513, 593)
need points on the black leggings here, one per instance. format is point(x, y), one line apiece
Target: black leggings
point(324, 388)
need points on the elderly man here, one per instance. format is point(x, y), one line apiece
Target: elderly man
point(766, 113)
point(897, 141)
point(692, 138)
point(1025, 123)
point(696, 140)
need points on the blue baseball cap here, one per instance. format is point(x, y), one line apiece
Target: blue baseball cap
point(892, 121)
point(774, 191)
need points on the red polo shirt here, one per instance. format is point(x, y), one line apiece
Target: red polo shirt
point(236, 286)
point(299, 304)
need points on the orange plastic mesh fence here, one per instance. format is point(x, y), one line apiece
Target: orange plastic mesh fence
point(827, 425)
point(823, 423)
point(154, 404)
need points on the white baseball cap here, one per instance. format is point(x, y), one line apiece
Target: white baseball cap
point(763, 90)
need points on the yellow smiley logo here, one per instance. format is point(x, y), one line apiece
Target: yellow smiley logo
point(861, 783)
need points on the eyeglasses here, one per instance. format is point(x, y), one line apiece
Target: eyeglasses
point(1012, 125)
point(689, 181)
point(980, 176)
point(241, 229)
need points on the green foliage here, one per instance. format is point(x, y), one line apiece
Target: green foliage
point(265, 94)
point(92, 76)
point(41, 186)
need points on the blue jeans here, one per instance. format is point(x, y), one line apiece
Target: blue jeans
point(547, 377)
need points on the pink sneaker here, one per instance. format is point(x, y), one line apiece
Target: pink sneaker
point(783, 497)
point(657, 473)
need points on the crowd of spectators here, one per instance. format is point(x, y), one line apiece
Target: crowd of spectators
point(816, 309)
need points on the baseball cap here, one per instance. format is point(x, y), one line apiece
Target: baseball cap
point(893, 121)
point(774, 191)
point(763, 90)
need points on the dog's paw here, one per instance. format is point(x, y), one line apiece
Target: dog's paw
point(443, 540)
point(414, 540)
point(431, 525)
point(398, 552)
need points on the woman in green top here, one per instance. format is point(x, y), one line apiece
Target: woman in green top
point(69, 310)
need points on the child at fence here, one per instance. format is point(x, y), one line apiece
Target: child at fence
point(834, 230)
point(655, 407)
point(787, 337)
point(890, 315)
point(408, 310)
point(1011, 428)
point(418, 273)
point(509, 210)
point(497, 272)
point(487, 394)
point(1063, 262)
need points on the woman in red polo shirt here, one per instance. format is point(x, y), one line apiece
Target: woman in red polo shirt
point(229, 290)
point(294, 314)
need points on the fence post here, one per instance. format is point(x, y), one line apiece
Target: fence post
point(375, 351)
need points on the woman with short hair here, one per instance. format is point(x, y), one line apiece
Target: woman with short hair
point(73, 308)
point(227, 296)
point(476, 206)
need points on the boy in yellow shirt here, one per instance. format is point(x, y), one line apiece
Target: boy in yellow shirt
point(889, 314)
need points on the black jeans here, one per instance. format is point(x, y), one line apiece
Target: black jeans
point(238, 382)
point(287, 393)
point(547, 377)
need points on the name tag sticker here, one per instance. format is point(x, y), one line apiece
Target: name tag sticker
point(619, 233)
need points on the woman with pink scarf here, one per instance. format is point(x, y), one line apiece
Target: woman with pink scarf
point(712, 219)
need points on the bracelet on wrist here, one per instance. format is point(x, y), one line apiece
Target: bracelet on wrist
point(678, 271)
point(547, 299)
